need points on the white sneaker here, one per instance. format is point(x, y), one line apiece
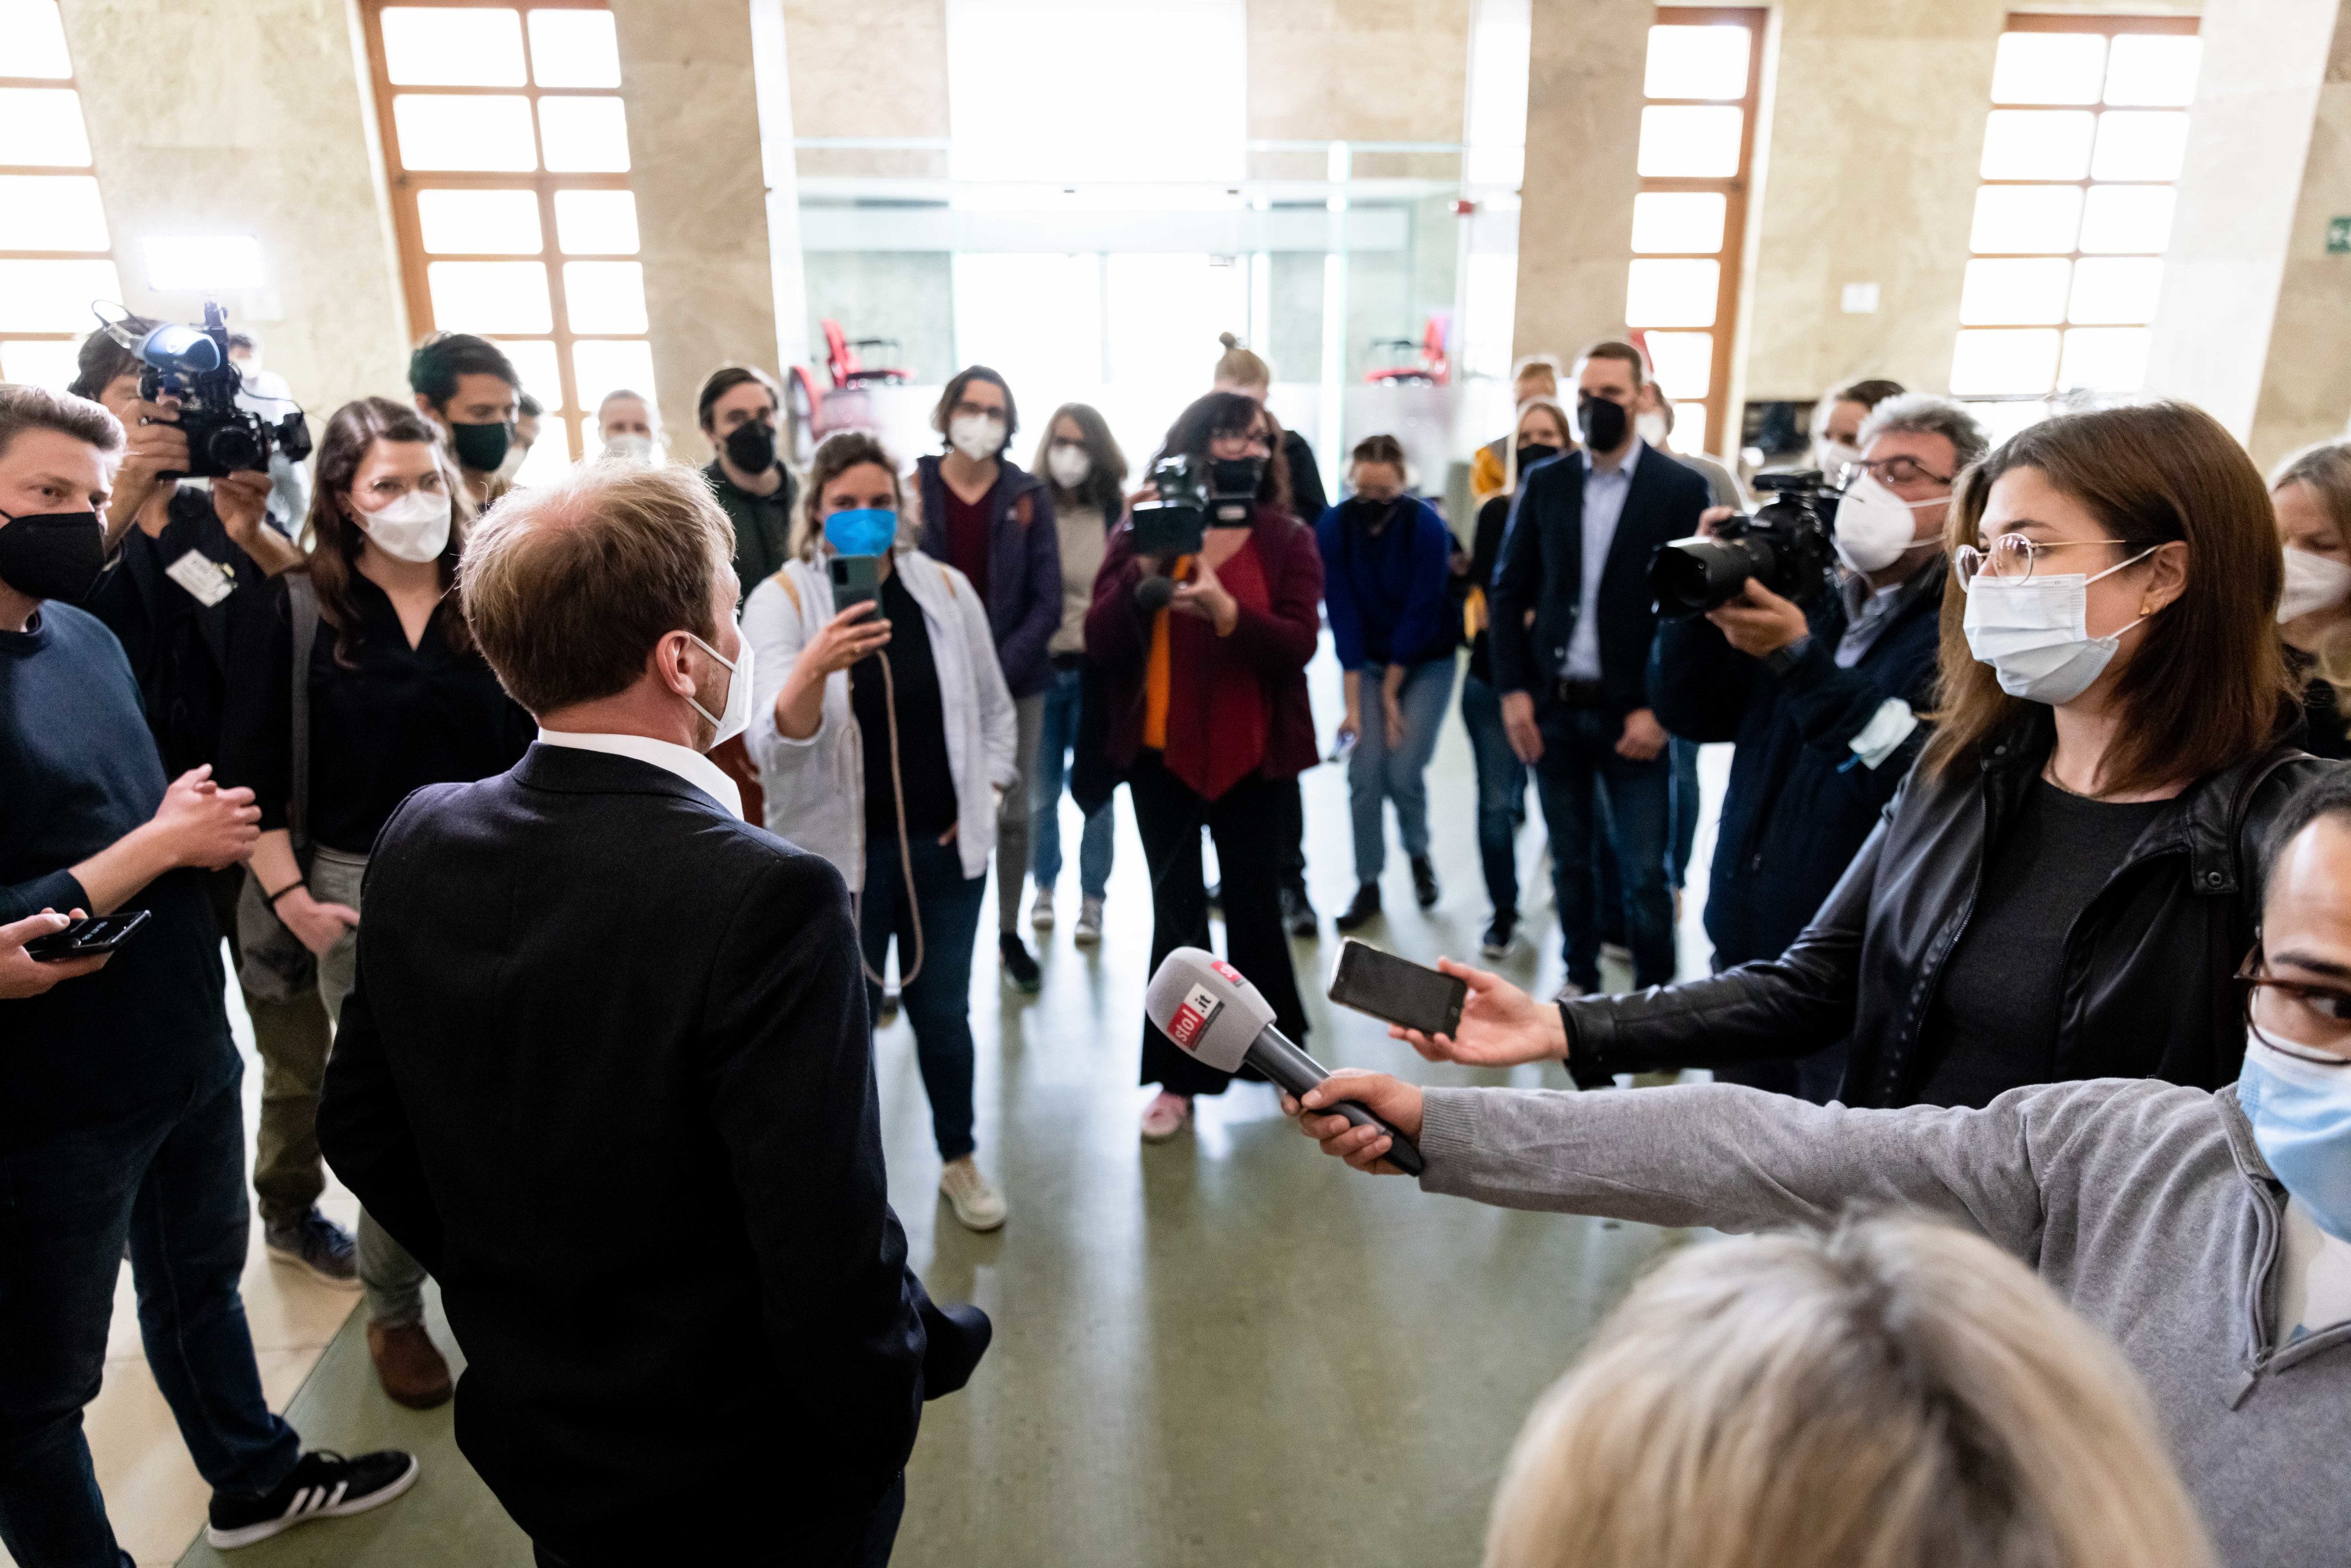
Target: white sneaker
point(977, 1205)
point(1041, 910)
point(1089, 928)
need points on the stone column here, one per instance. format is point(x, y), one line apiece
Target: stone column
point(2255, 322)
point(686, 75)
point(1583, 130)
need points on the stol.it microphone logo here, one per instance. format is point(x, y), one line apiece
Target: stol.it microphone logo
point(1227, 971)
point(1198, 1011)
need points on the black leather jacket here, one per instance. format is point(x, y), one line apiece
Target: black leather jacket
point(2147, 964)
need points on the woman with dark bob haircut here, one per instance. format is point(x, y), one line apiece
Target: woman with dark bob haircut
point(2064, 888)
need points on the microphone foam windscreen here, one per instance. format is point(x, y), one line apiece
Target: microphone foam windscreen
point(1154, 594)
point(1205, 1006)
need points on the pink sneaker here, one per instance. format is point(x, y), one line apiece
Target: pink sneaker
point(1166, 1115)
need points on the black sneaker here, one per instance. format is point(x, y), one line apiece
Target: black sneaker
point(1425, 891)
point(318, 1245)
point(1362, 911)
point(1501, 936)
point(1019, 969)
point(1298, 916)
point(324, 1485)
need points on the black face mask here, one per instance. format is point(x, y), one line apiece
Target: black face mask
point(1374, 515)
point(53, 554)
point(1534, 452)
point(752, 447)
point(1603, 422)
point(480, 449)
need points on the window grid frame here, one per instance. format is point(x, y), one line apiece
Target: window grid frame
point(405, 185)
point(1731, 256)
point(2109, 28)
point(70, 82)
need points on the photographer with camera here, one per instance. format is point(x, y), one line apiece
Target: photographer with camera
point(468, 387)
point(1822, 692)
point(121, 1122)
point(353, 683)
point(185, 559)
point(1572, 620)
point(2064, 883)
point(1203, 631)
point(1386, 570)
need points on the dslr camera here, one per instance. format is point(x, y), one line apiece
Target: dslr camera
point(192, 364)
point(1195, 494)
point(1788, 545)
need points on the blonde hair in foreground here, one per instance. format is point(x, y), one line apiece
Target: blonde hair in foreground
point(1896, 1394)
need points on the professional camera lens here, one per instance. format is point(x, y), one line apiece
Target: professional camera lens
point(232, 448)
point(1691, 576)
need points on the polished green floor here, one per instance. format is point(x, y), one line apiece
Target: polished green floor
point(1224, 1350)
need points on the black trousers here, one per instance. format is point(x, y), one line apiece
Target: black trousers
point(1254, 837)
point(867, 1545)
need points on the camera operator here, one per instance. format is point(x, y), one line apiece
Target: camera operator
point(1572, 619)
point(1386, 568)
point(2312, 492)
point(121, 1125)
point(468, 387)
point(185, 558)
point(2058, 889)
point(393, 696)
point(1824, 699)
point(1209, 720)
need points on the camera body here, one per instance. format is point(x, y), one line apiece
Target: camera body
point(1194, 495)
point(1788, 545)
point(224, 436)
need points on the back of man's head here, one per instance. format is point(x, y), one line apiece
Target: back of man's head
point(567, 585)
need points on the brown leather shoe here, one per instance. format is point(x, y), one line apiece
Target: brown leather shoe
point(408, 1366)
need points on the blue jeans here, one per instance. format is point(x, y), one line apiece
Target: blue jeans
point(1096, 843)
point(1680, 834)
point(1378, 773)
point(1580, 775)
point(170, 1181)
point(1501, 792)
point(939, 999)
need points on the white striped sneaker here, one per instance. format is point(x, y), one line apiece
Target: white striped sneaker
point(323, 1485)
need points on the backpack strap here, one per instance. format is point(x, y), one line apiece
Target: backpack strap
point(791, 590)
point(302, 605)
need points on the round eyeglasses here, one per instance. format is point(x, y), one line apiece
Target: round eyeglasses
point(2012, 557)
point(2293, 1017)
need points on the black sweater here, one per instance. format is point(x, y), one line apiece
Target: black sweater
point(77, 772)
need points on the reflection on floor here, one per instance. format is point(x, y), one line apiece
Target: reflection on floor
point(1223, 1351)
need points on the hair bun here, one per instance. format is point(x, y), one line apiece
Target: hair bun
point(1229, 340)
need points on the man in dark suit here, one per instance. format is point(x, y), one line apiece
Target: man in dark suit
point(607, 1074)
point(1572, 626)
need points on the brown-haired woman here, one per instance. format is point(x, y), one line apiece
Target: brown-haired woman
point(2312, 492)
point(2063, 890)
point(396, 698)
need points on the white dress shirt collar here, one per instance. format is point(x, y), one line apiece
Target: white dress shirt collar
point(1623, 470)
point(691, 766)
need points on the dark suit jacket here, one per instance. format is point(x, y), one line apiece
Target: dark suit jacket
point(607, 1074)
point(1542, 570)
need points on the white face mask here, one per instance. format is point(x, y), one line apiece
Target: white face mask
point(413, 528)
point(2312, 582)
point(735, 716)
point(1069, 466)
point(629, 446)
point(1874, 525)
point(2034, 633)
point(1651, 428)
point(1830, 455)
point(512, 463)
point(979, 437)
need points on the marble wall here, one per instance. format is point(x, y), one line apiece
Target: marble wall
point(2305, 391)
point(229, 117)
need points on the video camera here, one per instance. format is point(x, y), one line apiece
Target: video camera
point(192, 364)
point(1788, 545)
point(1195, 494)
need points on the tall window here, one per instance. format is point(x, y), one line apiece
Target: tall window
point(56, 256)
point(2088, 124)
point(508, 158)
point(1698, 139)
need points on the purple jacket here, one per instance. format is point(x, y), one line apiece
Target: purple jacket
point(1024, 566)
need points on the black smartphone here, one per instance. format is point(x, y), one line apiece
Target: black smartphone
point(1397, 989)
point(86, 938)
point(856, 579)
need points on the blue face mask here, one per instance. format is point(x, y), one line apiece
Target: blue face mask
point(867, 530)
point(2301, 1112)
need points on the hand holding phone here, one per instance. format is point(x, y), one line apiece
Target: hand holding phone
point(86, 938)
point(1397, 989)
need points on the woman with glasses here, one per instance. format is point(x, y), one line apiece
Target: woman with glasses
point(2064, 886)
point(1203, 657)
point(2312, 492)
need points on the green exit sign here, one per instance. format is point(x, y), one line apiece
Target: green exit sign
point(2338, 237)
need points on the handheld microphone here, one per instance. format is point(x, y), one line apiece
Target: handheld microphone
point(1153, 593)
point(1205, 1006)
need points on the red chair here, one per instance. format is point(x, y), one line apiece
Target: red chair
point(1435, 367)
point(842, 360)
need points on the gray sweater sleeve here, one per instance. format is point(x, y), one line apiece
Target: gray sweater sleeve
point(1740, 1159)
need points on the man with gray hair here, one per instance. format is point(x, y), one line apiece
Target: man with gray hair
point(607, 1074)
point(1825, 699)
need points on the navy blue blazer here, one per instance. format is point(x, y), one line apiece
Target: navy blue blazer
point(607, 1072)
point(1542, 570)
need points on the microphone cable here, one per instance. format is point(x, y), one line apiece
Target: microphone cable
point(905, 848)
